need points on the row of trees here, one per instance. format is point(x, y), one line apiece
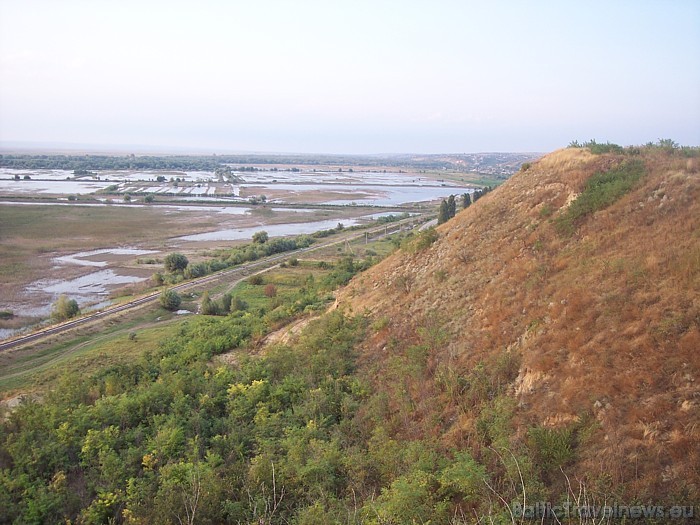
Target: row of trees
point(448, 208)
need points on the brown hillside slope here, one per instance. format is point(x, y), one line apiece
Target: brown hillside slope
point(598, 332)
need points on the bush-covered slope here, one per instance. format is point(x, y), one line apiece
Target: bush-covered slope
point(558, 319)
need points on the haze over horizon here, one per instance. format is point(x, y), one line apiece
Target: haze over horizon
point(364, 77)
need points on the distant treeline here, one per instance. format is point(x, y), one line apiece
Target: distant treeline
point(462, 162)
point(81, 163)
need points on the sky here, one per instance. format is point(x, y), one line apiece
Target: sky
point(341, 76)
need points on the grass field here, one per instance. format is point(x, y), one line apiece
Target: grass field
point(37, 368)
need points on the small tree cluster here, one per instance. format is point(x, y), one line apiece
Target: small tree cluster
point(170, 300)
point(225, 305)
point(175, 262)
point(260, 237)
point(448, 209)
point(480, 193)
point(64, 309)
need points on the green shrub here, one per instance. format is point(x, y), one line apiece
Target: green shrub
point(420, 242)
point(552, 448)
point(596, 148)
point(170, 300)
point(175, 262)
point(601, 190)
point(64, 309)
point(256, 280)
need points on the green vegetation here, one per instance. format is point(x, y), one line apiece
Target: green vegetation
point(422, 241)
point(175, 262)
point(448, 209)
point(596, 148)
point(170, 300)
point(466, 201)
point(668, 146)
point(64, 309)
point(260, 237)
point(222, 259)
point(601, 190)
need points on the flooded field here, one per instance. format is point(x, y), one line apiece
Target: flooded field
point(89, 251)
point(278, 230)
point(87, 235)
point(322, 187)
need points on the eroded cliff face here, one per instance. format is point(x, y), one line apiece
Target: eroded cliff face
point(591, 334)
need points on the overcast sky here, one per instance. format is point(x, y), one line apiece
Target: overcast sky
point(360, 76)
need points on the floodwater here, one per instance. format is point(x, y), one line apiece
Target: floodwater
point(86, 289)
point(80, 258)
point(53, 187)
point(279, 230)
point(91, 291)
point(374, 195)
point(372, 188)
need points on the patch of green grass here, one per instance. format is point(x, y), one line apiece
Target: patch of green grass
point(36, 370)
point(601, 190)
point(421, 241)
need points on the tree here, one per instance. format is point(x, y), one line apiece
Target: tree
point(260, 237)
point(64, 308)
point(226, 301)
point(170, 300)
point(451, 206)
point(444, 213)
point(149, 198)
point(208, 307)
point(175, 262)
point(238, 305)
point(127, 198)
point(466, 200)
point(270, 290)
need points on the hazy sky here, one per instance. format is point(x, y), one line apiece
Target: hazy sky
point(360, 76)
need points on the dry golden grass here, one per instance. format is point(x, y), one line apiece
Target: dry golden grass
point(608, 317)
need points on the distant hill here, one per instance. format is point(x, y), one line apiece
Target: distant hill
point(556, 321)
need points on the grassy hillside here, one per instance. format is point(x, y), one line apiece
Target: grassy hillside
point(558, 319)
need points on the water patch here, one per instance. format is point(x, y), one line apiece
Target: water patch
point(274, 230)
point(6, 333)
point(52, 186)
point(80, 257)
point(86, 286)
point(376, 195)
